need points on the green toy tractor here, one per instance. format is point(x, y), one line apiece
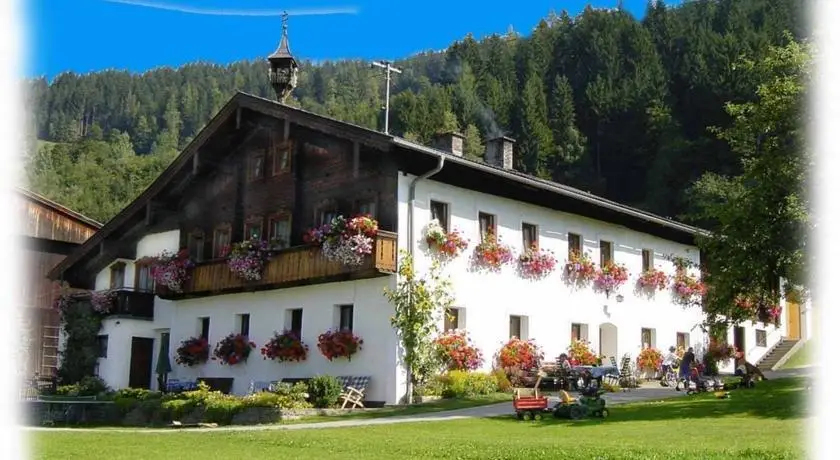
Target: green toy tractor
point(590, 404)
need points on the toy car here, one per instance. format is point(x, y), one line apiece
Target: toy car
point(590, 404)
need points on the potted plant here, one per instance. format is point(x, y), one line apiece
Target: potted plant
point(343, 240)
point(456, 351)
point(536, 263)
point(339, 343)
point(449, 244)
point(171, 270)
point(769, 314)
point(103, 301)
point(649, 362)
point(247, 259)
point(610, 277)
point(688, 290)
point(491, 253)
point(285, 347)
point(579, 268)
point(192, 352)
point(653, 280)
point(581, 353)
point(233, 349)
point(519, 359)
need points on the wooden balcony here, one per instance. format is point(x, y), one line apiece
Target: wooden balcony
point(297, 266)
point(134, 303)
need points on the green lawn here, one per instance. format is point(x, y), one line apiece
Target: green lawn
point(766, 422)
point(803, 357)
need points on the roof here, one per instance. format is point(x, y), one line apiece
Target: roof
point(59, 208)
point(366, 135)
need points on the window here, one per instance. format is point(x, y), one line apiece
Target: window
point(519, 327)
point(575, 246)
point(682, 340)
point(281, 158)
point(195, 245)
point(102, 346)
point(118, 275)
point(245, 324)
point(221, 240)
point(486, 224)
point(280, 230)
point(255, 167)
point(647, 338)
point(326, 212)
point(366, 207)
point(451, 319)
point(143, 277)
point(440, 211)
point(606, 253)
point(294, 320)
point(253, 228)
point(760, 338)
point(578, 332)
point(530, 236)
point(647, 260)
point(204, 328)
point(345, 317)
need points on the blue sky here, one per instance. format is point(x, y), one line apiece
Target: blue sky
point(90, 35)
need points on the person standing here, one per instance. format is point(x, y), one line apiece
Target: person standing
point(685, 366)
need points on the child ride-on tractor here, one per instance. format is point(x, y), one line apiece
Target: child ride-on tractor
point(590, 404)
point(528, 403)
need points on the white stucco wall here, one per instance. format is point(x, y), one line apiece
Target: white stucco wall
point(551, 307)
point(149, 246)
point(268, 310)
point(114, 369)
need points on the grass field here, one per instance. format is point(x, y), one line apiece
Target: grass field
point(803, 357)
point(767, 422)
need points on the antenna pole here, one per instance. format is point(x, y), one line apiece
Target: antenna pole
point(385, 65)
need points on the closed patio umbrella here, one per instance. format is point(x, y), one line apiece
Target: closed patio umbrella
point(164, 366)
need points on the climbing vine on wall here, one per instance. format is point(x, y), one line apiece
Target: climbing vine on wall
point(80, 324)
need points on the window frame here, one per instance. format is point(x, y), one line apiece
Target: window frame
point(686, 339)
point(102, 346)
point(647, 260)
point(292, 312)
point(341, 310)
point(253, 221)
point(443, 210)
point(191, 238)
point(282, 216)
point(530, 240)
point(244, 323)
point(139, 267)
point(326, 208)
point(370, 201)
point(577, 247)
point(650, 332)
point(204, 327)
point(518, 319)
point(217, 246)
point(279, 148)
point(609, 252)
point(254, 175)
point(490, 221)
point(579, 332)
point(117, 274)
point(759, 340)
point(451, 317)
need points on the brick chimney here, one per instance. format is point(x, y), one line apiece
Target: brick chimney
point(451, 142)
point(499, 152)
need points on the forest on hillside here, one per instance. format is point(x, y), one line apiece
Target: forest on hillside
point(600, 101)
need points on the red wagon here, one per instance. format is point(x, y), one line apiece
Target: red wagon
point(528, 403)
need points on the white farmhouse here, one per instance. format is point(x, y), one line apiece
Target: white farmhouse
point(261, 168)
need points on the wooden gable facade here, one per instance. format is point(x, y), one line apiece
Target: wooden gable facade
point(50, 233)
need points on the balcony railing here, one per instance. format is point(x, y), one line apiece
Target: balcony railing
point(297, 266)
point(134, 303)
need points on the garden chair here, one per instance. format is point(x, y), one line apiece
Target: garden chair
point(612, 361)
point(354, 391)
point(627, 377)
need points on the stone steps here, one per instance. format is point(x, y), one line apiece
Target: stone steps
point(777, 353)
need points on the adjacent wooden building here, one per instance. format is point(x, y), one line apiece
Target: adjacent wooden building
point(50, 233)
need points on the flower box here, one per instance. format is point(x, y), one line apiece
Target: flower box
point(343, 240)
point(335, 344)
point(653, 280)
point(579, 268)
point(247, 258)
point(233, 349)
point(192, 352)
point(171, 270)
point(537, 263)
point(285, 347)
point(491, 253)
point(610, 277)
point(449, 244)
point(688, 290)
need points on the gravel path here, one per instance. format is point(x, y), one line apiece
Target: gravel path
point(649, 392)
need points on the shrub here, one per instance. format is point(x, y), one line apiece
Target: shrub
point(324, 391)
point(502, 381)
point(88, 386)
point(459, 384)
point(457, 353)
